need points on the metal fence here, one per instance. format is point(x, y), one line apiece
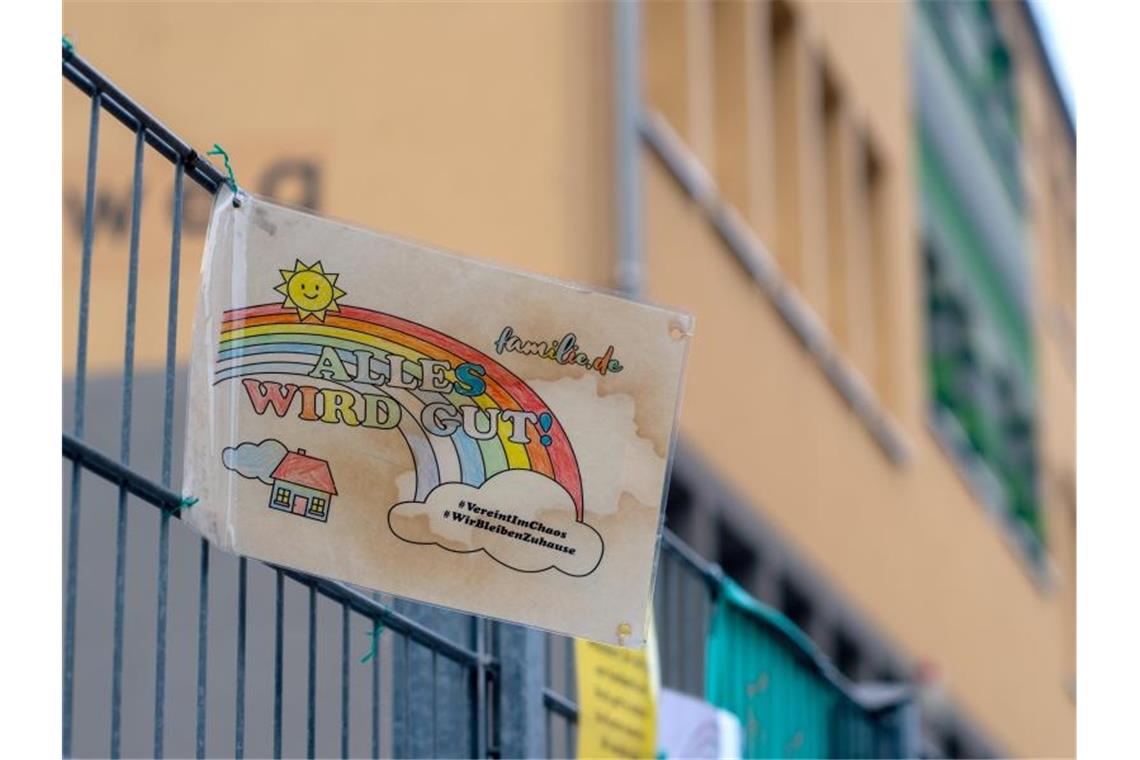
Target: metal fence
point(682, 606)
point(171, 647)
point(426, 665)
point(790, 700)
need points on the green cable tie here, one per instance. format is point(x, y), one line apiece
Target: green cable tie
point(375, 634)
point(187, 501)
point(218, 150)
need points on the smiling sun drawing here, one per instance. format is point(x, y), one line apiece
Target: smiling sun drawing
point(309, 290)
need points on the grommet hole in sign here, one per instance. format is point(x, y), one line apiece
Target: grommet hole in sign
point(677, 331)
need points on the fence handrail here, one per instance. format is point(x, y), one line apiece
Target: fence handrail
point(775, 621)
point(723, 589)
point(114, 472)
point(709, 572)
point(120, 105)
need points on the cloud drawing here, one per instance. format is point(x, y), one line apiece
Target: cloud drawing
point(520, 518)
point(256, 461)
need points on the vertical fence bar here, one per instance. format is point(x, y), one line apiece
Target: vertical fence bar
point(125, 450)
point(567, 660)
point(375, 690)
point(311, 722)
point(172, 326)
point(85, 267)
point(239, 685)
point(549, 681)
point(479, 673)
point(520, 709)
point(684, 667)
point(80, 401)
point(344, 682)
point(160, 633)
point(167, 466)
point(69, 612)
point(494, 724)
point(278, 663)
point(203, 643)
point(434, 703)
point(406, 729)
point(677, 653)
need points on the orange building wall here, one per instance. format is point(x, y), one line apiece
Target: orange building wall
point(486, 128)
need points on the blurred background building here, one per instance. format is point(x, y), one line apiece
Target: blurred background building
point(869, 207)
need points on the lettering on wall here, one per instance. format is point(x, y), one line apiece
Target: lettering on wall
point(291, 180)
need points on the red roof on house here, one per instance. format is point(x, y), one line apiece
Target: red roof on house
point(301, 469)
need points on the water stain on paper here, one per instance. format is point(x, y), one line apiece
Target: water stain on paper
point(610, 432)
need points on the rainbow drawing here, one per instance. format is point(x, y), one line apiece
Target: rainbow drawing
point(272, 339)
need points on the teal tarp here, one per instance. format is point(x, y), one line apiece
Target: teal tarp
point(788, 697)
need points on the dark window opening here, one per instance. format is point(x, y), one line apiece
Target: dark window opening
point(986, 406)
point(678, 505)
point(953, 746)
point(794, 603)
point(887, 674)
point(737, 559)
point(848, 658)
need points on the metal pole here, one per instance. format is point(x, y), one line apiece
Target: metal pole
point(627, 163)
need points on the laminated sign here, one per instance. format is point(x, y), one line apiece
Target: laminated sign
point(404, 419)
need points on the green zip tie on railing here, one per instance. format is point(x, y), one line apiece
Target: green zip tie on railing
point(218, 150)
point(375, 634)
point(187, 501)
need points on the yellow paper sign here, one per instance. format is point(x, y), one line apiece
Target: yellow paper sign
point(617, 705)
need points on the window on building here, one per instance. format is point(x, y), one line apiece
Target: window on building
point(980, 403)
point(678, 505)
point(856, 240)
point(317, 506)
point(848, 658)
point(887, 674)
point(841, 238)
point(879, 354)
point(281, 497)
point(783, 47)
point(795, 604)
point(972, 44)
point(953, 745)
point(979, 315)
point(736, 557)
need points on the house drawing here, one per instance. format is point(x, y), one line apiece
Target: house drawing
point(302, 485)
